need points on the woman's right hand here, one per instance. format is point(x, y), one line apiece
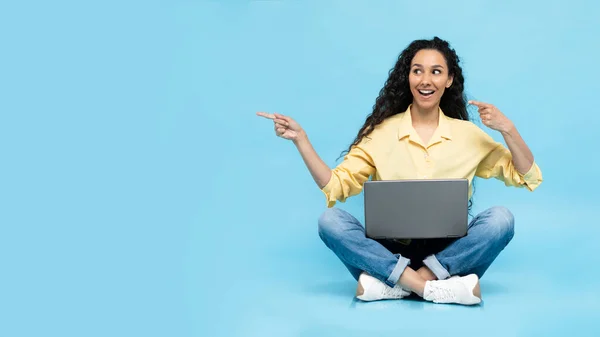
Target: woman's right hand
point(285, 127)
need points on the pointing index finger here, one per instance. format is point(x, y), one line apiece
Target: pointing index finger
point(265, 115)
point(280, 116)
point(479, 104)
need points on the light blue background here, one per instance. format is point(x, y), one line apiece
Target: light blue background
point(141, 196)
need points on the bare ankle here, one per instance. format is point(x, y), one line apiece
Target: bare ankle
point(426, 274)
point(411, 280)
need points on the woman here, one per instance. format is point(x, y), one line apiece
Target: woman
point(419, 128)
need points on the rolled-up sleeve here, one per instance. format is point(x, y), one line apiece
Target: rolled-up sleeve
point(498, 164)
point(348, 178)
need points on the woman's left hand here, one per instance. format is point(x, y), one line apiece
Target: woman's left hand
point(492, 117)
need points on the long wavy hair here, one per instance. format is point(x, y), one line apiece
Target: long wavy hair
point(395, 96)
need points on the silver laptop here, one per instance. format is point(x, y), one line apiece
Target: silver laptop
point(416, 209)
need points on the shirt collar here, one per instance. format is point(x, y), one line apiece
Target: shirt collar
point(405, 127)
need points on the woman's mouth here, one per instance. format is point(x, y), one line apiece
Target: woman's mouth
point(426, 93)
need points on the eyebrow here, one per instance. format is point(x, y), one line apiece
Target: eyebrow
point(433, 66)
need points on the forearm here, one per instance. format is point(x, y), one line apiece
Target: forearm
point(521, 154)
point(320, 172)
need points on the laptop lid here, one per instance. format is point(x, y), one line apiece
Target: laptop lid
point(416, 209)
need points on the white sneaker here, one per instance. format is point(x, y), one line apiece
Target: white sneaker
point(460, 290)
point(372, 289)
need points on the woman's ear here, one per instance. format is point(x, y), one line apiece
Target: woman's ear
point(449, 83)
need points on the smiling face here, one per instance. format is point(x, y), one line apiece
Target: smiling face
point(428, 78)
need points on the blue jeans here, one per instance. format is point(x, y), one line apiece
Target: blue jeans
point(487, 235)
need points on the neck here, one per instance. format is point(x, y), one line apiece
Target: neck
point(421, 116)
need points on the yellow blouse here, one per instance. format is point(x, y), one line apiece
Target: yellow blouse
point(457, 149)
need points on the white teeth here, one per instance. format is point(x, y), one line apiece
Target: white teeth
point(426, 92)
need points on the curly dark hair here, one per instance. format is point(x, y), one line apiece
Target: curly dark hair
point(395, 96)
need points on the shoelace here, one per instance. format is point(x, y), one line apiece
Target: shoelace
point(442, 294)
point(392, 292)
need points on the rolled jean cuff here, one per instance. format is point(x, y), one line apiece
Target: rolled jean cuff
point(436, 267)
point(398, 270)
